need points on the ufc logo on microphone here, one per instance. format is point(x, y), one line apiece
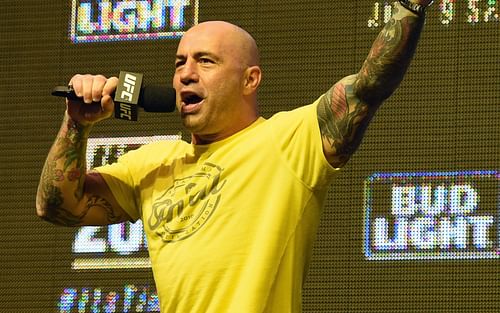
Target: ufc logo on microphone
point(127, 94)
point(125, 111)
point(129, 86)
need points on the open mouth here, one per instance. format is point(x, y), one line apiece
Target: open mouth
point(191, 98)
point(191, 102)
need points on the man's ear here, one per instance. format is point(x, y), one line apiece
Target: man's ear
point(253, 76)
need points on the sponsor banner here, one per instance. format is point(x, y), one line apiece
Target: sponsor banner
point(130, 299)
point(433, 215)
point(471, 12)
point(113, 20)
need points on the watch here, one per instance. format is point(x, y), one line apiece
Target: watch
point(414, 7)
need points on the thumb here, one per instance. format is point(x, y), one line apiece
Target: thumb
point(107, 106)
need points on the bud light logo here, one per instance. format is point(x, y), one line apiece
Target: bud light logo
point(443, 215)
point(112, 20)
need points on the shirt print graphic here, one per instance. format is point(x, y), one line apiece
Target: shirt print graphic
point(187, 204)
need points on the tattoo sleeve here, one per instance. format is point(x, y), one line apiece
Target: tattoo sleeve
point(63, 175)
point(346, 109)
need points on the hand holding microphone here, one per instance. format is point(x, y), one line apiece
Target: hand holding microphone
point(88, 98)
point(91, 98)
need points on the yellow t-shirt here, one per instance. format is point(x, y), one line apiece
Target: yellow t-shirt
point(230, 225)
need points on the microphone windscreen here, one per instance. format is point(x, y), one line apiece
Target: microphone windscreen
point(157, 98)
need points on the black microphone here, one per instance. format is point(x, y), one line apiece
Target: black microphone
point(152, 98)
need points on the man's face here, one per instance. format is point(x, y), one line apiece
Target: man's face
point(208, 80)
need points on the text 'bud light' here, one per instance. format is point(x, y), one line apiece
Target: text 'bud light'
point(435, 215)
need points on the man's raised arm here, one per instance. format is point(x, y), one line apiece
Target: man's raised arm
point(346, 109)
point(67, 195)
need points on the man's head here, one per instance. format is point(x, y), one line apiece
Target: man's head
point(216, 78)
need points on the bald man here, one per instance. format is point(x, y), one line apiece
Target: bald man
point(216, 79)
point(231, 216)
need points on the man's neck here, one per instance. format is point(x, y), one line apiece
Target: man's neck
point(205, 139)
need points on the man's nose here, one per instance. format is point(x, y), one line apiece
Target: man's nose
point(189, 73)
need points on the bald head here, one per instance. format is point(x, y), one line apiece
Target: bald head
point(232, 39)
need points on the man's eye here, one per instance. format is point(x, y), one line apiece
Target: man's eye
point(205, 60)
point(178, 64)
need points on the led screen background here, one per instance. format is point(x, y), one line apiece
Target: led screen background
point(445, 117)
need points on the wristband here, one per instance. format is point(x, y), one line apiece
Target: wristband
point(414, 7)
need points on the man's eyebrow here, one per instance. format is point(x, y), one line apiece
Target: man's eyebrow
point(198, 55)
point(205, 53)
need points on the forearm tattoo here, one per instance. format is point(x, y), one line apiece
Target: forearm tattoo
point(346, 109)
point(63, 169)
point(389, 57)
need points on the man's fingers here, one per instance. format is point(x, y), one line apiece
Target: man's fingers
point(96, 92)
point(76, 83)
point(92, 87)
point(87, 83)
point(98, 83)
point(110, 86)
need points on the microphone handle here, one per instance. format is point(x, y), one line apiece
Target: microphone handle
point(154, 98)
point(66, 92)
point(128, 112)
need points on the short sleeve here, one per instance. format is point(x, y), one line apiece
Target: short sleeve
point(121, 183)
point(297, 136)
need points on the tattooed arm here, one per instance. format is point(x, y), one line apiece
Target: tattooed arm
point(346, 109)
point(67, 195)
